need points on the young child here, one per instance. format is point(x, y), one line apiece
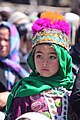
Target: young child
point(47, 88)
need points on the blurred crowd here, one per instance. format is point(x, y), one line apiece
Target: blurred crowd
point(41, 2)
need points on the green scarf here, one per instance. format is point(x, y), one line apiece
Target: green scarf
point(35, 84)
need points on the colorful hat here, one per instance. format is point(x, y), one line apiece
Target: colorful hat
point(51, 28)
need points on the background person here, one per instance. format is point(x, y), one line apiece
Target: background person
point(75, 51)
point(10, 69)
point(25, 39)
point(23, 25)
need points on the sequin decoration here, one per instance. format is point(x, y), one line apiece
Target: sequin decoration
point(52, 36)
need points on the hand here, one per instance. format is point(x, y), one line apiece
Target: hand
point(3, 98)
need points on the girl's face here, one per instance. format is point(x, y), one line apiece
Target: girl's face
point(46, 60)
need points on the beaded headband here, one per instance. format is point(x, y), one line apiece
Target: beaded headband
point(51, 36)
point(51, 29)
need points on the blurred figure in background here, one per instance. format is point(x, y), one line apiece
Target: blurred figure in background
point(11, 70)
point(5, 12)
point(22, 22)
point(23, 25)
point(18, 18)
point(75, 53)
point(73, 19)
point(75, 7)
point(75, 96)
point(25, 39)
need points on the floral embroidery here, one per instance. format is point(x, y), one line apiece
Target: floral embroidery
point(52, 36)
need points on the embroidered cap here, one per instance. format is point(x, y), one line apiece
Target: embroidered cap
point(51, 27)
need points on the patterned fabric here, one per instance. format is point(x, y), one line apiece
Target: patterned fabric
point(52, 103)
point(51, 36)
point(12, 60)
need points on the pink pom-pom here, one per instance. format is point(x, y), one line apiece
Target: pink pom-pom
point(63, 26)
point(44, 23)
point(40, 24)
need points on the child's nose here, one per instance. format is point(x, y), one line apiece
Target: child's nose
point(45, 62)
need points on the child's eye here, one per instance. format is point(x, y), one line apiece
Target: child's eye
point(39, 56)
point(53, 57)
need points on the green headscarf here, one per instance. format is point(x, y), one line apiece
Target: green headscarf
point(35, 84)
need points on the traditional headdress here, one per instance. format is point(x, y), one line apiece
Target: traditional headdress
point(51, 27)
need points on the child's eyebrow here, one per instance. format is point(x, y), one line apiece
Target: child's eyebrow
point(49, 53)
point(38, 52)
point(53, 53)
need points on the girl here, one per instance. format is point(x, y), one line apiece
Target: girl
point(47, 88)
